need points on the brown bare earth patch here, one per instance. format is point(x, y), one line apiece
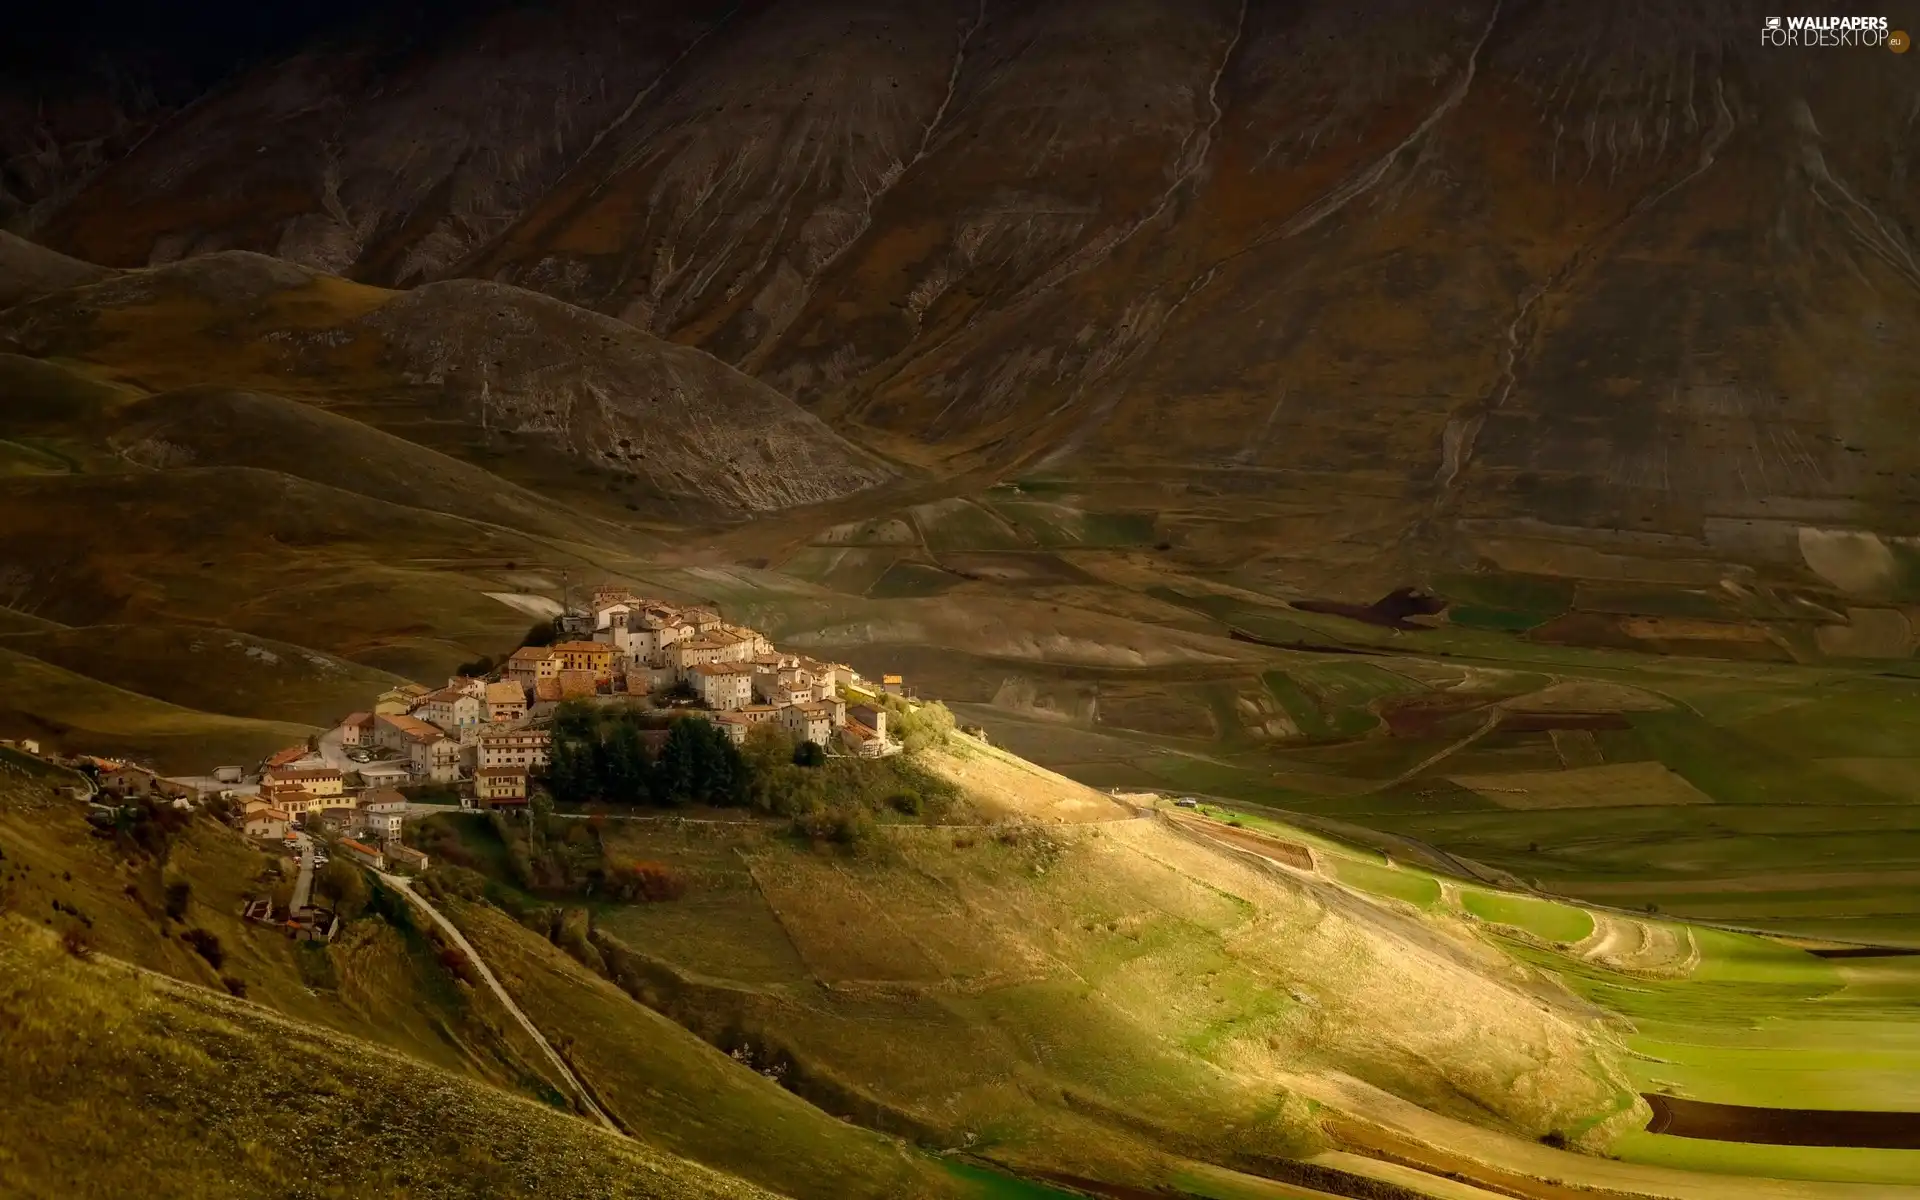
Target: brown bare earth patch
point(1421, 715)
point(1293, 854)
point(1678, 1117)
point(1618, 785)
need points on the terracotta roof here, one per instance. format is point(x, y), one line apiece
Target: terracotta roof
point(722, 669)
point(271, 814)
point(413, 728)
point(506, 693)
point(405, 854)
point(862, 732)
point(289, 775)
point(281, 758)
point(349, 844)
point(583, 647)
point(382, 796)
point(577, 683)
point(531, 654)
point(359, 718)
point(548, 689)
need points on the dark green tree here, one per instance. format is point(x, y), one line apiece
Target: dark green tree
point(809, 754)
point(676, 774)
point(622, 764)
point(572, 772)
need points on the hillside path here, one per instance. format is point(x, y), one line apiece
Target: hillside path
point(405, 888)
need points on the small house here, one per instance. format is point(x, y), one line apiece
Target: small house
point(406, 858)
point(498, 786)
point(363, 854)
point(265, 822)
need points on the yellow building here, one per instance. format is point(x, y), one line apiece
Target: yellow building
point(596, 657)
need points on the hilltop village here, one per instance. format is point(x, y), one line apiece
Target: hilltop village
point(483, 740)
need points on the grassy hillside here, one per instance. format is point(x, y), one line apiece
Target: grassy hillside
point(1072, 989)
point(212, 670)
point(210, 427)
point(70, 711)
point(127, 1081)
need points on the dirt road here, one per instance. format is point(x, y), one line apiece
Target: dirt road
point(405, 888)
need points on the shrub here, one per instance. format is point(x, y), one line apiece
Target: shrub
point(207, 945)
point(905, 802)
point(1554, 1138)
point(178, 894)
point(809, 754)
point(650, 881)
point(77, 942)
point(847, 827)
point(455, 960)
point(234, 984)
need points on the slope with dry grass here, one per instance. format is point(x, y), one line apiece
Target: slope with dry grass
point(124, 1081)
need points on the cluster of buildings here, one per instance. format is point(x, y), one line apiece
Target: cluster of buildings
point(484, 731)
point(650, 647)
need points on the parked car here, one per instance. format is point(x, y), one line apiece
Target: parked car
point(1187, 802)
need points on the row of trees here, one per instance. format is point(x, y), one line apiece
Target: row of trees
point(602, 756)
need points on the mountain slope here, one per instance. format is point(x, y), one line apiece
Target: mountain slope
point(1621, 272)
point(473, 368)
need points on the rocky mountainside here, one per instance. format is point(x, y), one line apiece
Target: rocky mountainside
point(1610, 266)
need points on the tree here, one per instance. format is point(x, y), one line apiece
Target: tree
point(543, 633)
point(344, 883)
point(921, 727)
point(478, 667)
point(809, 754)
point(571, 773)
point(676, 774)
point(622, 764)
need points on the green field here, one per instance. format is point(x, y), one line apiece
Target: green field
point(1560, 923)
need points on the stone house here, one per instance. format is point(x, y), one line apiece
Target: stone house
point(430, 754)
point(296, 802)
point(452, 709)
point(265, 822)
point(364, 854)
point(530, 664)
point(723, 687)
point(523, 748)
point(340, 818)
point(356, 729)
point(321, 781)
point(809, 722)
point(506, 701)
point(405, 858)
point(402, 699)
point(383, 810)
point(498, 786)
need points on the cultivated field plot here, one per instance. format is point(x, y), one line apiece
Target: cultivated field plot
point(1056, 525)
point(1620, 785)
point(1392, 882)
point(1015, 568)
point(723, 927)
point(853, 926)
point(850, 569)
point(1560, 923)
point(960, 524)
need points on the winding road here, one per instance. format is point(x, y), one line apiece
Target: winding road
point(405, 888)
